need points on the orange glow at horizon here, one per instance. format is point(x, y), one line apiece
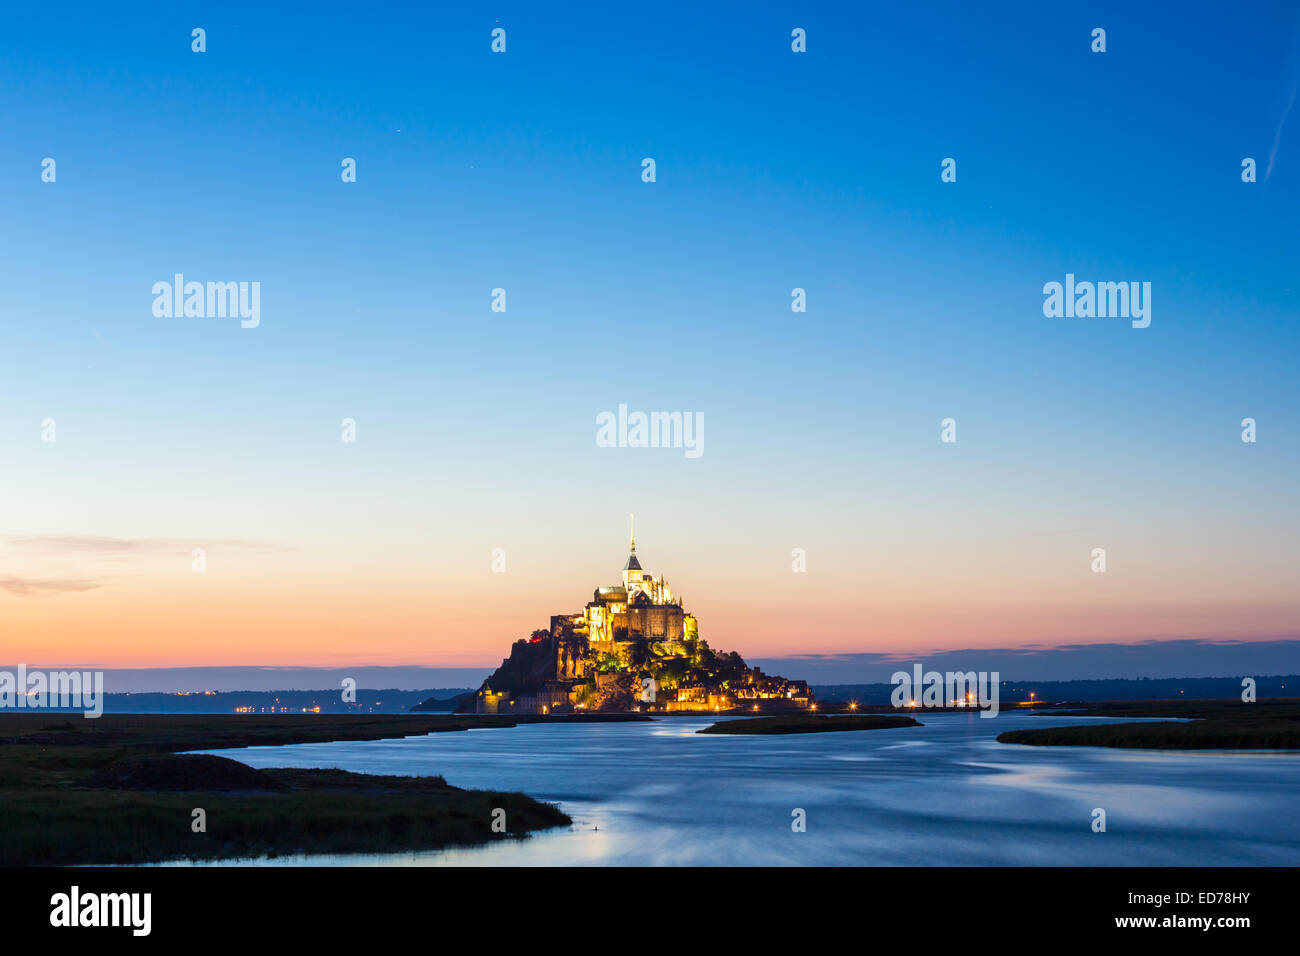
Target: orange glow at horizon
point(315, 619)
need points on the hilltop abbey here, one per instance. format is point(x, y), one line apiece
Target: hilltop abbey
point(641, 608)
point(633, 647)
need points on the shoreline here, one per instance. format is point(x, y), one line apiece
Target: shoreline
point(126, 786)
point(1189, 725)
point(809, 724)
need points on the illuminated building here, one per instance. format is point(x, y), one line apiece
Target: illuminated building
point(630, 636)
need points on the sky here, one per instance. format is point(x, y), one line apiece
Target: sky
point(475, 429)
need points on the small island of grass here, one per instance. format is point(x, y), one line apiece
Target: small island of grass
point(1206, 725)
point(808, 724)
point(113, 790)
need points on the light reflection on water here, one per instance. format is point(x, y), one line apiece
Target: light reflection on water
point(943, 794)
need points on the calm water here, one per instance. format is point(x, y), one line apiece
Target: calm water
point(946, 793)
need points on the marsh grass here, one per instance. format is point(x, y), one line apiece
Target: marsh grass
point(1207, 725)
point(112, 792)
point(808, 724)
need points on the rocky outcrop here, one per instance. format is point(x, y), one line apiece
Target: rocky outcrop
point(560, 672)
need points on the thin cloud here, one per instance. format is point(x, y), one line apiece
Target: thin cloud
point(29, 587)
point(1277, 137)
point(61, 552)
point(103, 545)
point(1181, 657)
point(1293, 71)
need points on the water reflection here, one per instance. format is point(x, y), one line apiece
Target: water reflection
point(943, 794)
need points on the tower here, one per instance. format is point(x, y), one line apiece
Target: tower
point(632, 575)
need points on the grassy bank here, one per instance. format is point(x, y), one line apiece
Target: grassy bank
point(113, 790)
point(808, 724)
point(1210, 725)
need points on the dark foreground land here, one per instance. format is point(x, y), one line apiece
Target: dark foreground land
point(1209, 725)
point(114, 790)
point(808, 724)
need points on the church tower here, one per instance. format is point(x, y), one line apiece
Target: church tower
point(632, 576)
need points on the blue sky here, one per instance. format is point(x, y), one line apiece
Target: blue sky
point(775, 170)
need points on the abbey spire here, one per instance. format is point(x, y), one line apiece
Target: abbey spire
point(632, 569)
